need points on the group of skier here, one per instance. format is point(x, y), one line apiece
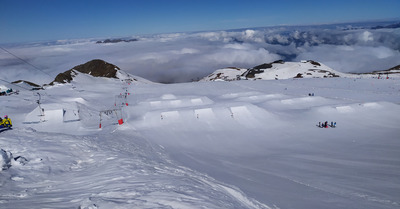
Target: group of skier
point(326, 124)
point(6, 122)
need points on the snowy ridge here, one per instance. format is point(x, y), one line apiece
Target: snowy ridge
point(277, 70)
point(287, 70)
point(122, 75)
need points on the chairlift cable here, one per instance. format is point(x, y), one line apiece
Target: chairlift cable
point(26, 62)
point(15, 85)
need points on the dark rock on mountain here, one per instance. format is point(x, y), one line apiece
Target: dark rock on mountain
point(314, 62)
point(250, 73)
point(116, 40)
point(395, 25)
point(28, 84)
point(299, 75)
point(278, 62)
point(263, 66)
point(96, 68)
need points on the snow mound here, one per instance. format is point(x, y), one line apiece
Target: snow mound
point(298, 102)
point(171, 101)
point(344, 109)
point(54, 113)
point(168, 96)
point(205, 114)
point(5, 159)
point(3, 88)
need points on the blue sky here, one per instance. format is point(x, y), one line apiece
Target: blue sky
point(43, 20)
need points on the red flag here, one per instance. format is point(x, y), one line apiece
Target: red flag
point(120, 121)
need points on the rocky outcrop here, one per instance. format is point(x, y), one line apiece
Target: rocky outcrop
point(28, 85)
point(95, 68)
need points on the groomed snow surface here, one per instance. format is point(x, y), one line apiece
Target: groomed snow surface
point(239, 144)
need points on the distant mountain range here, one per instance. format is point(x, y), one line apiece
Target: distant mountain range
point(117, 40)
point(268, 71)
point(395, 25)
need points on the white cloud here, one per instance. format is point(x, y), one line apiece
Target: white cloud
point(358, 59)
point(384, 52)
point(57, 49)
point(238, 46)
point(249, 33)
point(180, 57)
point(366, 36)
point(345, 48)
point(241, 56)
point(186, 51)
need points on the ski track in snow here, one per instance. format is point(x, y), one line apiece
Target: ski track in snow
point(111, 171)
point(244, 144)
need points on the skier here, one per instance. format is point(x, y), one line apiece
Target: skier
point(6, 122)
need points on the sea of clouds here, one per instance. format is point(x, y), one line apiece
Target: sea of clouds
point(183, 57)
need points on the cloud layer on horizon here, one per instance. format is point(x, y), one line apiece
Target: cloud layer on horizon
point(182, 57)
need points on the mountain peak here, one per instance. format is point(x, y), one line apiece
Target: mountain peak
point(95, 68)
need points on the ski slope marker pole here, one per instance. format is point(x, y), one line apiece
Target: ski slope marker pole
point(100, 121)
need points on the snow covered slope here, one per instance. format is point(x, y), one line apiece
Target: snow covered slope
point(225, 74)
point(241, 144)
point(278, 70)
point(286, 70)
